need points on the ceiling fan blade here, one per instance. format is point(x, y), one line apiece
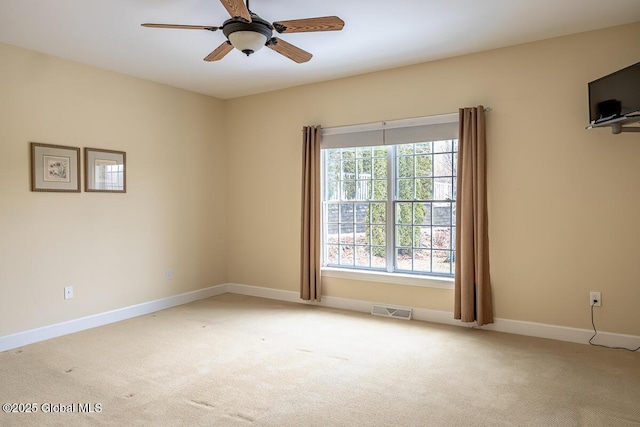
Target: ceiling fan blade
point(324, 23)
point(181, 27)
point(290, 51)
point(237, 9)
point(220, 52)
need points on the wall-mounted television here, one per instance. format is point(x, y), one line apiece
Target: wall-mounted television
point(615, 95)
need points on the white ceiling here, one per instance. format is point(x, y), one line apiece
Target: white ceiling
point(378, 34)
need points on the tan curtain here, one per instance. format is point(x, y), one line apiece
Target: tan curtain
point(310, 283)
point(472, 280)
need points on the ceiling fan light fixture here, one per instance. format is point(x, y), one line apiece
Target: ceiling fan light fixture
point(248, 37)
point(247, 42)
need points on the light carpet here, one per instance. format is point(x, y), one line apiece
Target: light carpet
point(234, 360)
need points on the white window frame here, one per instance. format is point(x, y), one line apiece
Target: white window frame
point(438, 127)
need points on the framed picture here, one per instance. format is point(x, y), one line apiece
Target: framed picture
point(105, 171)
point(55, 168)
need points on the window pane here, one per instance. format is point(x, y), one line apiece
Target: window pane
point(380, 151)
point(346, 254)
point(379, 190)
point(346, 212)
point(346, 234)
point(442, 146)
point(441, 238)
point(362, 256)
point(453, 262)
point(332, 190)
point(405, 189)
point(348, 190)
point(403, 236)
point(333, 155)
point(332, 213)
point(423, 237)
point(442, 214)
point(348, 169)
point(405, 149)
point(455, 188)
point(332, 233)
point(404, 213)
point(424, 189)
point(333, 171)
point(424, 166)
point(379, 257)
point(405, 167)
point(423, 148)
point(363, 190)
point(455, 164)
point(443, 164)
point(346, 223)
point(422, 213)
point(364, 169)
point(453, 237)
point(422, 260)
point(348, 153)
point(417, 236)
point(443, 189)
point(404, 259)
point(441, 262)
point(363, 152)
point(379, 236)
point(380, 168)
point(366, 236)
point(332, 254)
point(363, 213)
point(378, 213)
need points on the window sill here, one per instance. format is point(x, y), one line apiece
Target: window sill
point(395, 278)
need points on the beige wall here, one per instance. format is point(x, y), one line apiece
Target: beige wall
point(113, 248)
point(563, 200)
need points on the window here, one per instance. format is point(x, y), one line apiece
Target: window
point(388, 207)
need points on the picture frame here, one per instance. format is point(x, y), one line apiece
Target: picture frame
point(105, 171)
point(55, 168)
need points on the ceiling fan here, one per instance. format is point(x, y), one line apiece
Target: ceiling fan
point(247, 32)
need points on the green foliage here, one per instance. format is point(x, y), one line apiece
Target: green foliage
point(415, 170)
point(378, 219)
point(379, 210)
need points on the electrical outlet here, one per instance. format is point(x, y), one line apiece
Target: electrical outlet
point(595, 299)
point(169, 274)
point(68, 292)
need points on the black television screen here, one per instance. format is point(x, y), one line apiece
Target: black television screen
point(615, 95)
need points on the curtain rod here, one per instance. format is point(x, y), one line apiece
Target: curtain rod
point(486, 110)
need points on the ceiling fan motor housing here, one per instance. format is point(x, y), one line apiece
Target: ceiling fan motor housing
point(257, 25)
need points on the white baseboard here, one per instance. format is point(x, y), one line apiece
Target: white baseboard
point(518, 327)
point(20, 339)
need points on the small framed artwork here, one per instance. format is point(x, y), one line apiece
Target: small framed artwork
point(55, 168)
point(105, 171)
